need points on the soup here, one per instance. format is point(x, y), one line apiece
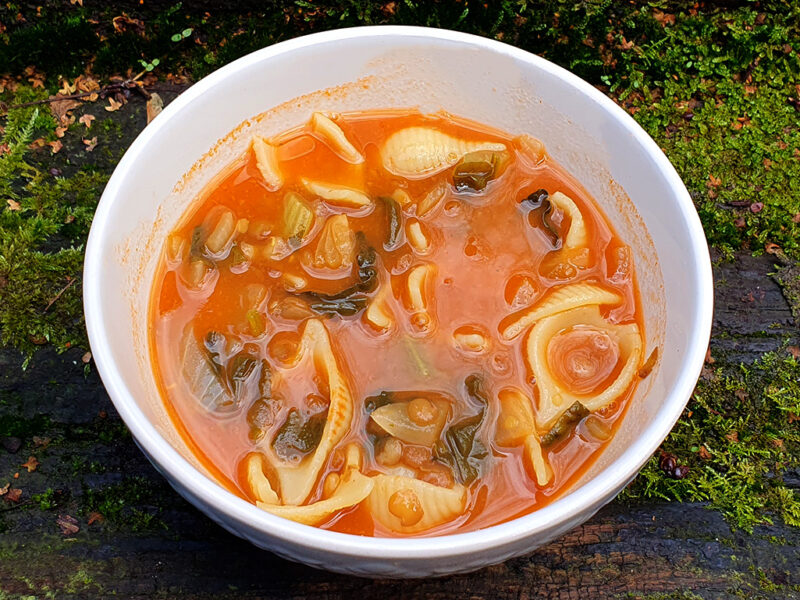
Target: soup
point(391, 323)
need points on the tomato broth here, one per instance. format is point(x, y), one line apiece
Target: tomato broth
point(432, 255)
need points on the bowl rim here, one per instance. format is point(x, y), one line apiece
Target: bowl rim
point(593, 494)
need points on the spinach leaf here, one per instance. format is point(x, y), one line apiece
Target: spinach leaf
point(460, 450)
point(541, 211)
point(297, 436)
point(565, 423)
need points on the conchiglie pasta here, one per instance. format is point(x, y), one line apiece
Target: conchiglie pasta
point(417, 152)
point(425, 505)
point(296, 482)
point(560, 299)
point(554, 397)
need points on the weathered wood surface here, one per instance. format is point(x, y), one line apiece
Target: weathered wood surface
point(154, 544)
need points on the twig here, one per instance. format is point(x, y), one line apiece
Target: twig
point(58, 295)
point(18, 505)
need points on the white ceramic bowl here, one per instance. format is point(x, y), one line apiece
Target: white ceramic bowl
point(388, 67)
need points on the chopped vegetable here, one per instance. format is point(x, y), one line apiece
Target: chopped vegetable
point(345, 307)
point(222, 234)
point(541, 212)
point(267, 163)
point(297, 436)
point(329, 132)
point(260, 416)
point(515, 421)
point(395, 419)
point(256, 322)
point(297, 218)
point(394, 222)
point(475, 170)
point(460, 450)
point(565, 423)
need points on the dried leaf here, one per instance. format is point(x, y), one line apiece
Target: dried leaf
point(86, 358)
point(13, 495)
point(733, 436)
point(772, 248)
point(90, 144)
point(714, 181)
point(40, 442)
point(703, 453)
point(154, 106)
point(87, 120)
point(13, 204)
point(78, 2)
point(60, 131)
point(124, 23)
point(31, 464)
point(68, 524)
point(794, 351)
point(55, 146)
point(59, 108)
point(66, 88)
point(4, 489)
point(756, 207)
point(113, 105)
point(95, 517)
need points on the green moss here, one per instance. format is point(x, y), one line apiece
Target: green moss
point(121, 504)
point(738, 435)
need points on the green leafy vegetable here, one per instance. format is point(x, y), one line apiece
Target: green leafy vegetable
point(261, 414)
point(297, 218)
point(394, 222)
point(477, 169)
point(541, 212)
point(351, 300)
point(565, 423)
point(297, 436)
point(460, 449)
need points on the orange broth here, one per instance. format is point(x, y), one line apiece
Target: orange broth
point(479, 241)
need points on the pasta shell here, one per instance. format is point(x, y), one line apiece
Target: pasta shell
point(554, 399)
point(334, 137)
point(336, 247)
point(417, 152)
point(439, 505)
point(536, 462)
point(560, 299)
point(267, 162)
point(416, 237)
point(296, 482)
point(352, 489)
point(576, 236)
point(337, 195)
point(417, 280)
point(378, 313)
point(515, 421)
point(260, 486)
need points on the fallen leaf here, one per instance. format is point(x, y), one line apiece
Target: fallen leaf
point(794, 351)
point(86, 358)
point(663, 18)
point(733, 436)
point(56, 146)
point(87, 120)
point(709, 359)
point(13, 495)
point(714, 181)
point(60, 131)
point(68, 524)
point(4, 489)
point(69, 219)
point(113, 105)
point(125, 23)
point(59, 108)
point(37, 143)
point(31, 464)
point(78, 2)
point(86, 83)
point(756, 207)
point(703, 453)
point(66, 88)
point(90, 144)
point(40, 442)
point(778, 443)
point(36, 82)
point(12, 204)
point(95, 517)
point(772, 248)
point(796, 218)
point(740, 222)
point(154, 106)
point(767, 164)
point(741, 394)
